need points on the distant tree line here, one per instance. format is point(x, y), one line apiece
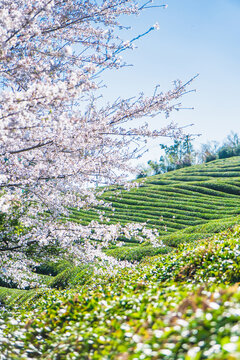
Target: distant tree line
point(182, 154)
point(213, 151)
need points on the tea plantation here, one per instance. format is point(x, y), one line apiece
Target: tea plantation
point(179, 301)
point(184, 205)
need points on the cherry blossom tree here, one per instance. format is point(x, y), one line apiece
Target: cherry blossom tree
point(56, 142)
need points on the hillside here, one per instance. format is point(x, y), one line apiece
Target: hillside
point(181, 198)
point(183, 306)
point(184, 205)
point(179, 303)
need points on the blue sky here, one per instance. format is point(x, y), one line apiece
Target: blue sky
point(195, 36)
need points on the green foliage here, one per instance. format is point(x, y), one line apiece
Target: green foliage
point(137, 253)
point(183, 305)
point(7, 284)
point(182, 154)
point(177, 200)
point(184, 205)
point(210, 157)
point(52, 268)
point(193, 233)
point(214, 259)
point(15, 298)
point(229, 148)
point(227, 151)
point(177, 156)
point(71, 277)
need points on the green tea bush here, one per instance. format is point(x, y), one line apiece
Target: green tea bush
point(137, 253)
point(216, 259)
point(15, 298)
point(52, 268)
point(181, 305)
point(198, 232)
point(127, 318)
point(71, 277)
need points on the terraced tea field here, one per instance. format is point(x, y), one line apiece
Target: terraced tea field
point(184, 205)
point(180, 305)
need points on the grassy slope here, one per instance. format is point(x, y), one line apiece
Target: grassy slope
point(181, 305)
point(178, 199)
point(184, 305)
point(184, 205)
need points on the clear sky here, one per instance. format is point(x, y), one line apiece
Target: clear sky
point(195, 36)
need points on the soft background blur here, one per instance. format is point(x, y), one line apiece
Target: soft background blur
point(195, 36)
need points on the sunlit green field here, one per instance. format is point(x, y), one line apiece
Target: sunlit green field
point(184, 205)
point(180, 301)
